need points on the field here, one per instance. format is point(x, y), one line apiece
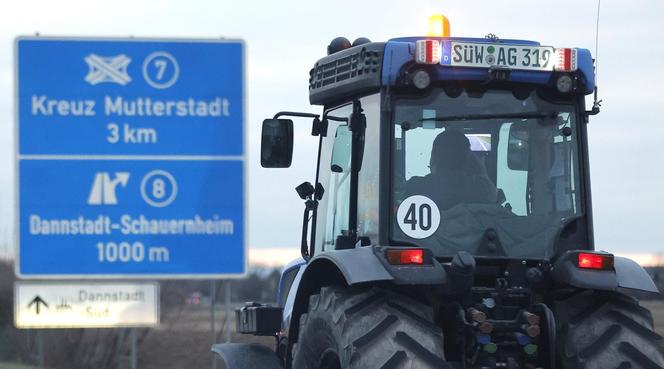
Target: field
point(657, 308)
point(197, 338)
point(184, 341)
point(16, 366)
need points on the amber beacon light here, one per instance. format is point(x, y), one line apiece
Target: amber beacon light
point(439, 26)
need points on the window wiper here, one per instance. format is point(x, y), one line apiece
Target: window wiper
point(457, 118)
point(526, 115)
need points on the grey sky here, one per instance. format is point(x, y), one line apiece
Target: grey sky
point(284, 39)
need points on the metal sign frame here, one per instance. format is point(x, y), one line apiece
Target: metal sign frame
point(18, 157)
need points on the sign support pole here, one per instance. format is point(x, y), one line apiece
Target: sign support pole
point(227, 311)
point(213, 299)
point(118, 349)
point(40, 347)
point(134, 348)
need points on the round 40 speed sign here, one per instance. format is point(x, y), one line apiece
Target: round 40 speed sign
point(418, 216)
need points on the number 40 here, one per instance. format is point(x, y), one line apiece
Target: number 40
point(418, 216)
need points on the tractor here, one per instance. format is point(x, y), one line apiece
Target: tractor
point(449, 223)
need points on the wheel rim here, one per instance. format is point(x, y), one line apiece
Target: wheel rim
point(329, 360)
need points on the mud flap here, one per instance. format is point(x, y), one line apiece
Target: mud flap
point(246, 356)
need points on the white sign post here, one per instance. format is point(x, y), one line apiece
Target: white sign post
point(86, 305)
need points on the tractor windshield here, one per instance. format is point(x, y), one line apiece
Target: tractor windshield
point(491, 172)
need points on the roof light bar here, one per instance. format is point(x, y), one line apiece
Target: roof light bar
point(427, 52)
point(595, 261)
point(566, 59)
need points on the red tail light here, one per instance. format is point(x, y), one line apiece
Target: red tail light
point(406, 257)
point(566, 59)
point(427, 51)
point(595, 261)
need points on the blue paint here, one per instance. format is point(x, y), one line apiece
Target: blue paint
point(400, 52)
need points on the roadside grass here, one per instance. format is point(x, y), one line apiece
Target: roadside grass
point(16, 366)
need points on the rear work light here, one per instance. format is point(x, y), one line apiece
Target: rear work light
point(427, 52)
point(566, 59)
point(405, 257)
point(595, 261)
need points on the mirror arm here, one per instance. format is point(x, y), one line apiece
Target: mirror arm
point(318, 195)
point(317, 128)
point(597, 104)
point(295, 114)
point(314, 215)
point(309, 206)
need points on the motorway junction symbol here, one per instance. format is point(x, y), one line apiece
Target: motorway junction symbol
point(107, 69)
point(130, 158)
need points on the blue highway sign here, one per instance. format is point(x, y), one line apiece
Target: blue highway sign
point(130, 158)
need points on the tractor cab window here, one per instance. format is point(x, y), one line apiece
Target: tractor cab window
point(338, 187)
point(334, 166)
point(491, 162)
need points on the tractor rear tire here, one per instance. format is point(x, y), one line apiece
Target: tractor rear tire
point(349, 328)
point(606, 330)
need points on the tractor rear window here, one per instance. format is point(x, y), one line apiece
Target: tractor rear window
point(481, 164)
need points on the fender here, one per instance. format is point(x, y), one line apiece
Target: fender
point(346, 267)
point(626, 274)
point(369, 264)
point(350, 267)
point(357, 265)
point(246, 356)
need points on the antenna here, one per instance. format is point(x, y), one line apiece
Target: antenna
point(599, 4)
point(596, 103)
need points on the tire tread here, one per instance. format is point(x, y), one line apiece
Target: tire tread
point(370, 328)
point(607, 330)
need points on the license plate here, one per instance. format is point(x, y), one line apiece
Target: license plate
point(477, 55)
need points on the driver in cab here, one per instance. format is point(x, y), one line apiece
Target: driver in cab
point(457, 175)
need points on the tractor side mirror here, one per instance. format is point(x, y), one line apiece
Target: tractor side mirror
point(517, 147)
point(341, 151)
point(277, 143)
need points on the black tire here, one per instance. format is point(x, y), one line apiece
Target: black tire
point(367, 328)
point(606, 330)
